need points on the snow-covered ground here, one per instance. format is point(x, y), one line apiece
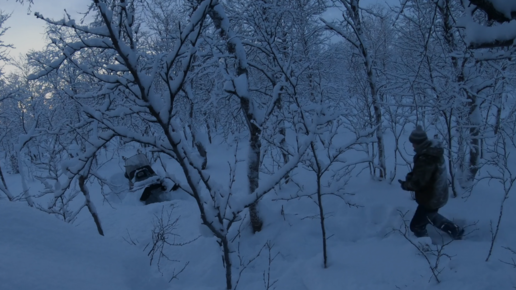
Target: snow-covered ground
point(40, 253)
point(364, 250)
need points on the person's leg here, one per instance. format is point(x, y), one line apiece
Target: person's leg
point(445, 225)
point(419, 222)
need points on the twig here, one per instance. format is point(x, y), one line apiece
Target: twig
point(425, 250)
point(163, 235)
point(267, 274)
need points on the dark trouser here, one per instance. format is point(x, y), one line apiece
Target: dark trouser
point(424, 216)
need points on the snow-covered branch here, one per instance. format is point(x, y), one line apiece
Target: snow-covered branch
point(500, 34)
point(497, 10)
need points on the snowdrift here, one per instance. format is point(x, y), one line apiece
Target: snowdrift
point(40, 252)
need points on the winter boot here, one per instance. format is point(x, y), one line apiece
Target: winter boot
point(420, 234)
point(453, 230)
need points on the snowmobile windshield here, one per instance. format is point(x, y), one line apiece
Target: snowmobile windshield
point(142, 173)
point(135, 162)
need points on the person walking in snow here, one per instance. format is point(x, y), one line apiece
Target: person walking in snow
point(429, 181)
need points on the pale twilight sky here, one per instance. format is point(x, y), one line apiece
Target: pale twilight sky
point(26, 32)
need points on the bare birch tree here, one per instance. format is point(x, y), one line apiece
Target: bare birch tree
point(351, 28)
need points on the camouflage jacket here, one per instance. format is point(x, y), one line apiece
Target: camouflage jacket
point(429, 178)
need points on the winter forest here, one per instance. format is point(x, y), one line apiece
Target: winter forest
point(278, 131)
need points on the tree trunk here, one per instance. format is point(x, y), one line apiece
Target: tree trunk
point(321, 213)
point(319, 174)
point(25, 187)
point(253, 173)
point(195, 142)
point(13, 159)
point(282, 131)
point(447, 34)
point(235, 47)
point(498, 120)
point(89, 204)
point(474, 132)
point(371, 78)
point(4, 186)
point(379, 136)
point(377, 116)
point(227, 262)
point(450, 153)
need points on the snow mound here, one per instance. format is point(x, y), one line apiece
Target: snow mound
point(40, 252)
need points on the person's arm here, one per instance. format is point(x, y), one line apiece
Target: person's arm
point(424, 168)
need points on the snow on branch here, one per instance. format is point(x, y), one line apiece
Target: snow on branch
point(340, 32)
point(76, 166)
point(268, 184)
point(501, 34)
point(68, 52)
point(497, 10)
point(235, 45)
point(480, 36)
point(99, 31)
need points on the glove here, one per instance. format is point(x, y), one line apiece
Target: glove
point(403, 184)
point(409, 176)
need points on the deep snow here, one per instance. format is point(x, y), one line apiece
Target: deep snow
point(40, 252)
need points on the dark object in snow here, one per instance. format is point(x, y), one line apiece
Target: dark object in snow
point(429, 181)
point(142, 178)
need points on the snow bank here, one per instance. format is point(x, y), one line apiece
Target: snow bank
point(477, 34)
point(40, 252)
point(505, 6)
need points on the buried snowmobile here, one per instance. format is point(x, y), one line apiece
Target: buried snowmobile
point(144, 181)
